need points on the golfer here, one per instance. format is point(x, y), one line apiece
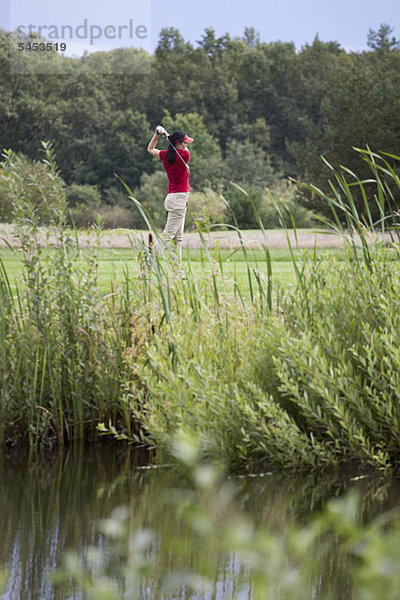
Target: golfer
point(175, 161)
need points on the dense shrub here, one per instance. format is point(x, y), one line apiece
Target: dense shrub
point(316, 380)
point(244, 207)
point(87, 209)
point(275, 208)
point(151, 194)
point(205, 208)
point(82, 216)
point(62, 341)
point(86, 195)
point(248, 164)
point(117, 216)
point(282, 207)
point(314, 384)
point(5, 203)
point(331, 361)
point(115, 196)
point(32, 183)
point(305, 378)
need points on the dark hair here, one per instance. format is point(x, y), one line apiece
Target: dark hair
point(174, 138)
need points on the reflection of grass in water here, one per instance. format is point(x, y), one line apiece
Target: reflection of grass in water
point(195, 522)
point(213, 549)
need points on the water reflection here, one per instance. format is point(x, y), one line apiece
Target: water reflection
point(49, 504)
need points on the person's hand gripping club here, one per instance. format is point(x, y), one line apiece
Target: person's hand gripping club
point(161, 131)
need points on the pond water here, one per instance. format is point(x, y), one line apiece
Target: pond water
point(51, 504)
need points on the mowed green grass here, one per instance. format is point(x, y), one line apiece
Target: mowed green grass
point(116, 264)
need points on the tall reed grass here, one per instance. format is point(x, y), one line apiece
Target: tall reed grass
point(69, 350)
point(312, 381)
point(62, 340)
point(304, 377)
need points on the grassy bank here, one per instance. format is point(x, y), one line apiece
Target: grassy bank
point(307, 378)
point(313, 382)
point(301, 375)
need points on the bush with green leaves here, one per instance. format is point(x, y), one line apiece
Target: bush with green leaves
point(248, 164)
point(87, 195)
point(115, 196)
point(113, 217)
point(248, 207)
point(245, 206)
point(151, 194)
point(310, 379)
point(282, 207)
point(32, 182)
point(331, 361)
point(62, 341)
point(86, 208)
point(5, 203)
point(82, 216)
point(83, 202)
point(205, 208)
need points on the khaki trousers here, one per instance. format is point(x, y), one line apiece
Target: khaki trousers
point(176, 206)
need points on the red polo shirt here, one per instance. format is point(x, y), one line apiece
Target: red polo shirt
point(178, 175)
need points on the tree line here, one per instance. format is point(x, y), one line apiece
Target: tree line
point(260, 113)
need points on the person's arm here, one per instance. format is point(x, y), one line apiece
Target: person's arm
point(152, 146)
point(153, 142)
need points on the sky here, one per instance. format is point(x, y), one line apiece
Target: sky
point(344, 21)
point(298, 21)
